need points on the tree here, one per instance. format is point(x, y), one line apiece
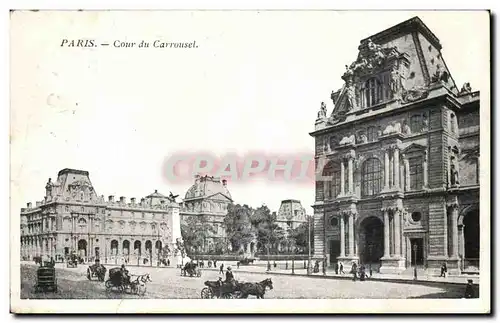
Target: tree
point(299, 234)
point(269, 233)
point(195, 231)
point(239, 229)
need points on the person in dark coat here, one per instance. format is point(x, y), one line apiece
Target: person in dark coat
point(215, 263)
point(221, 269)
point(444, 269)
point(354, 271)
point(230, 278)
point(469, 289)
point(341, 268)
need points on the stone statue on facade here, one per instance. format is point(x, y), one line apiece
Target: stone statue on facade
point(440, 75)
point(425, 122)
point(396, 83)
point(333, 97)
point(392, 128)
point(48, 188)
point(466, 88)
point(363, 138)
point(454, 175)
point(406, 128)
point(322, 111)
point(350, 95)
point(348, 140)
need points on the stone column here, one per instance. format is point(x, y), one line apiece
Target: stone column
point(351, 175)
point(386, 169)
point(406, 163)
point(425, 171)
point(397, 232)
point(386, 233)
point(396, 168)
point(454, 230)
point(342, 179)
point(351, 234)
point(342, 235)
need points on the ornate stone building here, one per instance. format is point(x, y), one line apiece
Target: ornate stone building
point(398, 159)
point(73, 218)
point(208, 198)
point(291, 214)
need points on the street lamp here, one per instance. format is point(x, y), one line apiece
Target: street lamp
point(308, 246)
point(415, 247)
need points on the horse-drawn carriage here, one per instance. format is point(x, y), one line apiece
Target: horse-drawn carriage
point(46, 279)
point(71, 261)
point(220, 289)
point(96, 270)
point(246, 261)
point(121, 280)
point(191, 269)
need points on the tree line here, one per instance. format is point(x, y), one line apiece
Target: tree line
point(243, 226)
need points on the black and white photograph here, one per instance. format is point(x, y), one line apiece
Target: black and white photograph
point(250, 161)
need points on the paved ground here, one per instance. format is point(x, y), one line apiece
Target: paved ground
point(167, 283)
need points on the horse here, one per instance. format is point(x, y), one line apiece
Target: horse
point(257, 289)
point(139, 281)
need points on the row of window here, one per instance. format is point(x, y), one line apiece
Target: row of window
point(415, 217)
point(371, 177)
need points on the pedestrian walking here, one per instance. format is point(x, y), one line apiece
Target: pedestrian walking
point(354, 271)
point(168, 262)
point(341, 268)
point(444, 269)
point(238, 265)
point(336, 268)
point(215, 263)
point(221, 269)
point(469, 289)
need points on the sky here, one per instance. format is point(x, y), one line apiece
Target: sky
point(254, 84)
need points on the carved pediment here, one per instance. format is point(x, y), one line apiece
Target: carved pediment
point(414, 148)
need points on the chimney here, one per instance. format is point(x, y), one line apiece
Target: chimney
point(122, 199)
point(156, 191)
point(132, 200)
point(111, 198)
point(29, 205)
point(224, 182)
point(38, 204)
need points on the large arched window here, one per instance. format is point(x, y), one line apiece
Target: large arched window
point(332, 187)
point(373, 92)
point(372, 177)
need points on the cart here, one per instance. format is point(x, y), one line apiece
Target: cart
point(46, 279)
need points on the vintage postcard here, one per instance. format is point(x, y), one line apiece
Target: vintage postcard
point(254, 161)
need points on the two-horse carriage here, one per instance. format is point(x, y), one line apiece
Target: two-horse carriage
point(96, 270)
point(121, 281)
point(191, 269)
point(220, 289)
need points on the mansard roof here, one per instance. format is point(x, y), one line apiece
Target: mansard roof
point(405, 61)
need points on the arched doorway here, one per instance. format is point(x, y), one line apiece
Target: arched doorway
point(471, 235)
point(371, 240)
point(82, 248)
